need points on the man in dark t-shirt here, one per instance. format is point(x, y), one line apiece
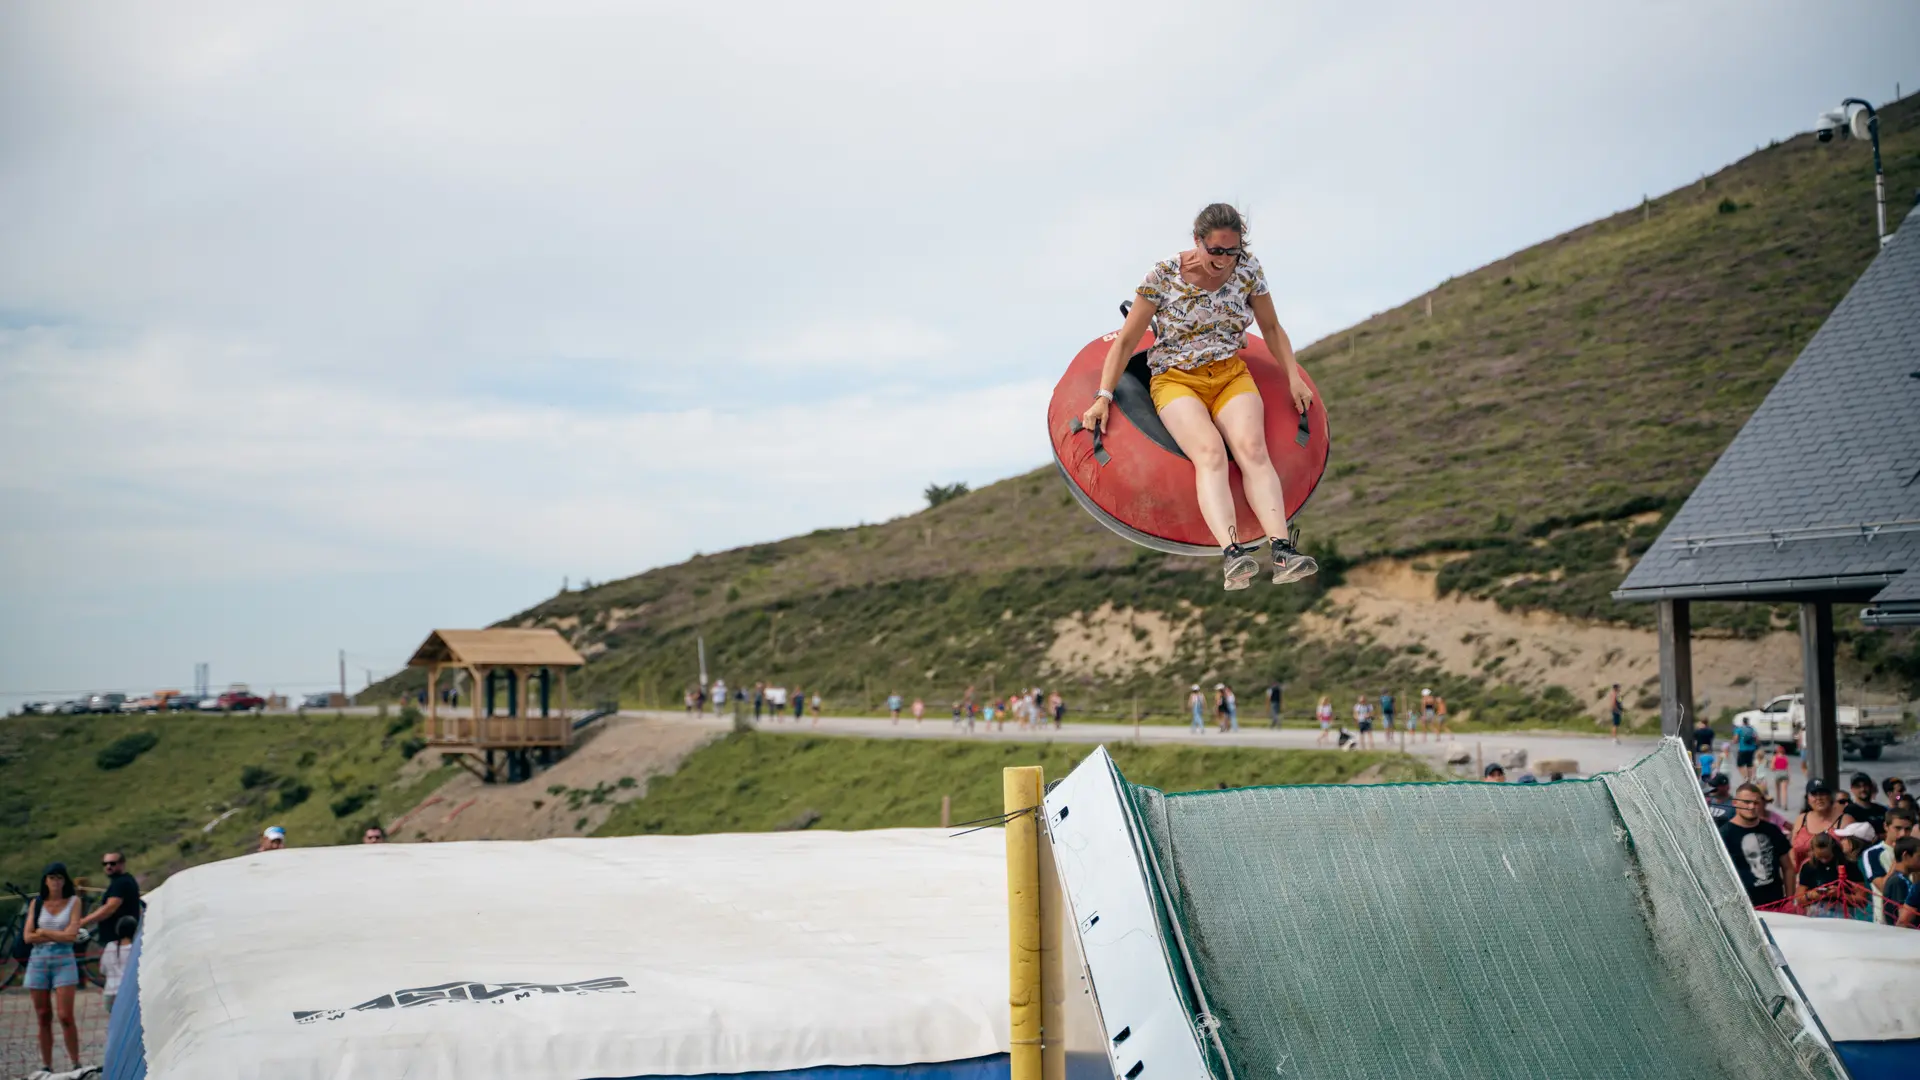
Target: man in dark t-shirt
point(1756, 845)
point(122, 897)
point(1719, 802)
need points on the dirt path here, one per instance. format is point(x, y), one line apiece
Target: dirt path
point(625, 749)
point(1396, 605)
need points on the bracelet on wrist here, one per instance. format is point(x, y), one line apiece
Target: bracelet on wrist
point(1108, 394)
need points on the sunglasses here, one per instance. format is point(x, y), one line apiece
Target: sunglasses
point(1235, 252)
point(110, 862)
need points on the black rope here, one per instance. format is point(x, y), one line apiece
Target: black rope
point(988, 822)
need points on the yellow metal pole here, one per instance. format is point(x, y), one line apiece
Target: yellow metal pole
point(1020, 787)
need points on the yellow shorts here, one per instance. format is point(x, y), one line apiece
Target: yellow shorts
point(1214, 384)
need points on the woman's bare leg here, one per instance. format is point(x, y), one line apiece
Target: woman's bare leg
point(70, 1032)
point(1243, 421)
point(1193, 429)
point(43, 1015)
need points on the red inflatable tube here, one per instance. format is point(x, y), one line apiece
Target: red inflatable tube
point(1136, 482)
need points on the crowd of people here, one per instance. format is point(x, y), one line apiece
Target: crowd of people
point(1845, 854)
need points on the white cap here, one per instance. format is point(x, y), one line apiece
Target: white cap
point(275, 832)
point(1859, 830)
point(1426, 693)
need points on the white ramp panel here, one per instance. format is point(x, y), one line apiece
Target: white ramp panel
point(1149, 1035)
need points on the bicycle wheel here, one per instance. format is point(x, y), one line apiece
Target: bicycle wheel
point(12, 973)
point(90, 974)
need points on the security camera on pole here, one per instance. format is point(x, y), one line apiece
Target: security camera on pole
point(1855, 118)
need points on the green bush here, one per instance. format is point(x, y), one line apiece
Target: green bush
point(411, 746)
point(293, 793)
point(350, 803)
point(120, 753)
point(255, 776)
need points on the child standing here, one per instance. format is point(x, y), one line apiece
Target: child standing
point(113, 958)
point(1777, 768)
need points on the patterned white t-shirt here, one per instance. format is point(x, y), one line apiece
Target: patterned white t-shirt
point(1193, 327)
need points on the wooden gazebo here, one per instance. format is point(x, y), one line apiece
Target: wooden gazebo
point(530, 666)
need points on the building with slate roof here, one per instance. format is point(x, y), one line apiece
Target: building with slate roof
point(1816, 502)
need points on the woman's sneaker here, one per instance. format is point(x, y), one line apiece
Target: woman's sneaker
point(1289, 565)
point(1240, 567)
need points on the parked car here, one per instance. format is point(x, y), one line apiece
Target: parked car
point(105, 703)
point(72, 708)
point(208, 704)
point(1783, 719)
point(240, 701)
point(322, 700)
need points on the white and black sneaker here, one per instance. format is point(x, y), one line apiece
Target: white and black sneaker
point(1240, 567)
point(1289, 565)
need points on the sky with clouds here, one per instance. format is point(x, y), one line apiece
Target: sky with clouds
point(325, 324)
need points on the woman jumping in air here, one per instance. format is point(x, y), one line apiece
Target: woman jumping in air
point(1199, 304)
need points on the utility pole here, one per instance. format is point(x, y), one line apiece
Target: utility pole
point(343, 673)
point(700, 642)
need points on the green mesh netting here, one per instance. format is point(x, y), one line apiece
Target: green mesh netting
point(1577, 929)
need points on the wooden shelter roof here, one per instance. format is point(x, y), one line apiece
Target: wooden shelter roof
point(497, 648)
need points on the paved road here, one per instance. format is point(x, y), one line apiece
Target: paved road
point(1594, 753)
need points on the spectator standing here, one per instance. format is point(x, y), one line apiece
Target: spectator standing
point(1275, 692)
point(1386, 714)
point(816, 708)
point(1757, 847)
point(1702, 739)
point(1823, 812)
point(1440, 717)
point(1614, 708)
point(1038, 713)
point(1719, 801)
point(122, 898)
point(51, 927)
point(1058, 705)
point(799, 704)
point(1196, 706)
point(1494, 773)
point(1864, 806)
point(1363, 719)
point(1746, 743)
point(1818, 871)
point(1877, 861)
point(760, 700)
point(1778, 774)
point(113, 958)
point(919, 710)
point(1323, 713)
point(1896, 790)
point(273, 838)
point(1903, 884)
point(893, 706)
point(373, 834)
point(1233, 708)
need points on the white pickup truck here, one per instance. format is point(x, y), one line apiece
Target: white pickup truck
point(1785, 717)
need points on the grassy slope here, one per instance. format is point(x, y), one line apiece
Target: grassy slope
point(759, 782)
point(57, 803)
point(1551, 396)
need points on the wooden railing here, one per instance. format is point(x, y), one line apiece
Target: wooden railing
point(498, 731)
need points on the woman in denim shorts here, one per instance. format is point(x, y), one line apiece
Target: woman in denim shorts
point(53, 925)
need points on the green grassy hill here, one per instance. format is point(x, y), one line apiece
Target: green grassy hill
point(65, 795)
point(1552, 410)
point(760, 782)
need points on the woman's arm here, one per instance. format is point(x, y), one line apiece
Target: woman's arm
point(1282, 349)
point(1131, 331)
point(31, 931)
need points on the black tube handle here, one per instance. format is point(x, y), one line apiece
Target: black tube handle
point(1099, 451)
point(1125, 307)
point(1306, 429)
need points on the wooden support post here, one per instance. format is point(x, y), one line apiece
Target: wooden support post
point(433, 699)
point(1676, 666)
point(1020, 788)
point(1822, 718)
point(946, 811)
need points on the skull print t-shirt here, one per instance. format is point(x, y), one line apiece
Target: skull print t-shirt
point(1193, 327)
point(1757, 851)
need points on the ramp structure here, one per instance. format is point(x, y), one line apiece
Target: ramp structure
point(1586, 928)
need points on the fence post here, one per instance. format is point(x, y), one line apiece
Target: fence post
point(1020, 790)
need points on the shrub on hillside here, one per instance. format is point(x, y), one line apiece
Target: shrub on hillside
point(120, 752)
point(412, 745)
point(351, 802)
point(945, 493)
point(293, 793)
point(255, 776)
